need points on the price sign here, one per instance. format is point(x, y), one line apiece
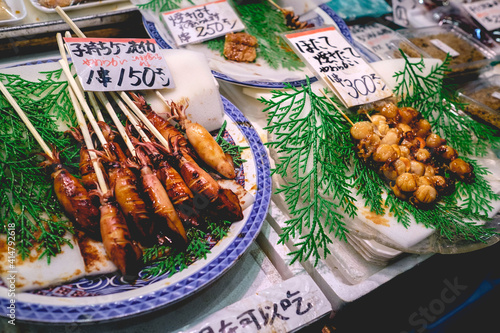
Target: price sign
point(375, 36)
point(199, 23)
point(331, 56)
point(487, 13)
point(116, 64)
point(400, 10)
point(285, 307)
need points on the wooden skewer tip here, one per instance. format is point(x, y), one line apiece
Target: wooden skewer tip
point(337, 108)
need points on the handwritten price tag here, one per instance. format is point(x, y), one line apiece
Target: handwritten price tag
point(283, 308)
point(487, 13)
point(331, 56)
point(199, 23)
point(116, 64)
point(375, 36)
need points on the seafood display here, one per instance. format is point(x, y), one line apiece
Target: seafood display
point(138, 211)
point(400, 145)
point(73, 197)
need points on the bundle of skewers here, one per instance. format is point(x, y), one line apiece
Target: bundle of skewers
point(145, 186)
point(398, 143)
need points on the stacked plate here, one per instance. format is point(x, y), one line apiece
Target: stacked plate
point(372, 251)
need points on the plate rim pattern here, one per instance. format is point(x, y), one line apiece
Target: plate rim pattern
point(169, 295)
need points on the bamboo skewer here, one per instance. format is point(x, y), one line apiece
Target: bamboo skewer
point(77, 90)
point(160, 96)
point(121, 129)
point(83, 102)
point(130, 116)
point(337, 108)
point(90, 94)
point(88, 142)
point(26, 121)
point(83, 124)
point(95, 105)
point(70, 22)
point(333, 89)
point(142, 117)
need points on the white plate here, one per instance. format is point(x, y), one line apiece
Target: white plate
point(109, 297)
point(416, 238)
point(73, 7)
point(18, 10)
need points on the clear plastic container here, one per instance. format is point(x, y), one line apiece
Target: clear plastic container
point(469, 56)
point(483, 99)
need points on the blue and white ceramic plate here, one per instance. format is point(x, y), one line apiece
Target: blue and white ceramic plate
point(109, 297)
point(83, 5)
point(257, 74)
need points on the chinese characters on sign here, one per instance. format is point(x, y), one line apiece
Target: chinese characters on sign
point(487, 13)
point(199, 23)
point(334, 59)
point(116, 64)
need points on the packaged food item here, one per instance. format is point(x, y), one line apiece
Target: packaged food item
point(483, 99)
point(446, 12)
point(376, 37)
point(468, 55)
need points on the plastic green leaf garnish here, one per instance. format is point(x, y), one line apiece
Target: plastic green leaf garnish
point(316, 157)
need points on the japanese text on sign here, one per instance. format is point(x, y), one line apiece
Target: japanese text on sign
point(199, 23)
point(331, 56)
point(375, 36)
point(487, 13)
point(116, 64)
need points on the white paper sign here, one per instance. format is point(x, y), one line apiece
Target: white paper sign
point(401, 10)
point(487, 13)
point(285, 307)
point(119, 64)
point(496, 94)
point(444, 47)
point(333, 58)
point(203, 22)
point(377, 37)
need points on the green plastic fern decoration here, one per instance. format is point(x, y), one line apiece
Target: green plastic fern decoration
point(162, 5)
point(26, 194)
point(316, 157)
point(438, 102)
point(311, 147)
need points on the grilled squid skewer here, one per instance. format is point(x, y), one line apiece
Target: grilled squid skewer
point(204, 144)
point(159, 199)
point(118, 243)
point(72, 196)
